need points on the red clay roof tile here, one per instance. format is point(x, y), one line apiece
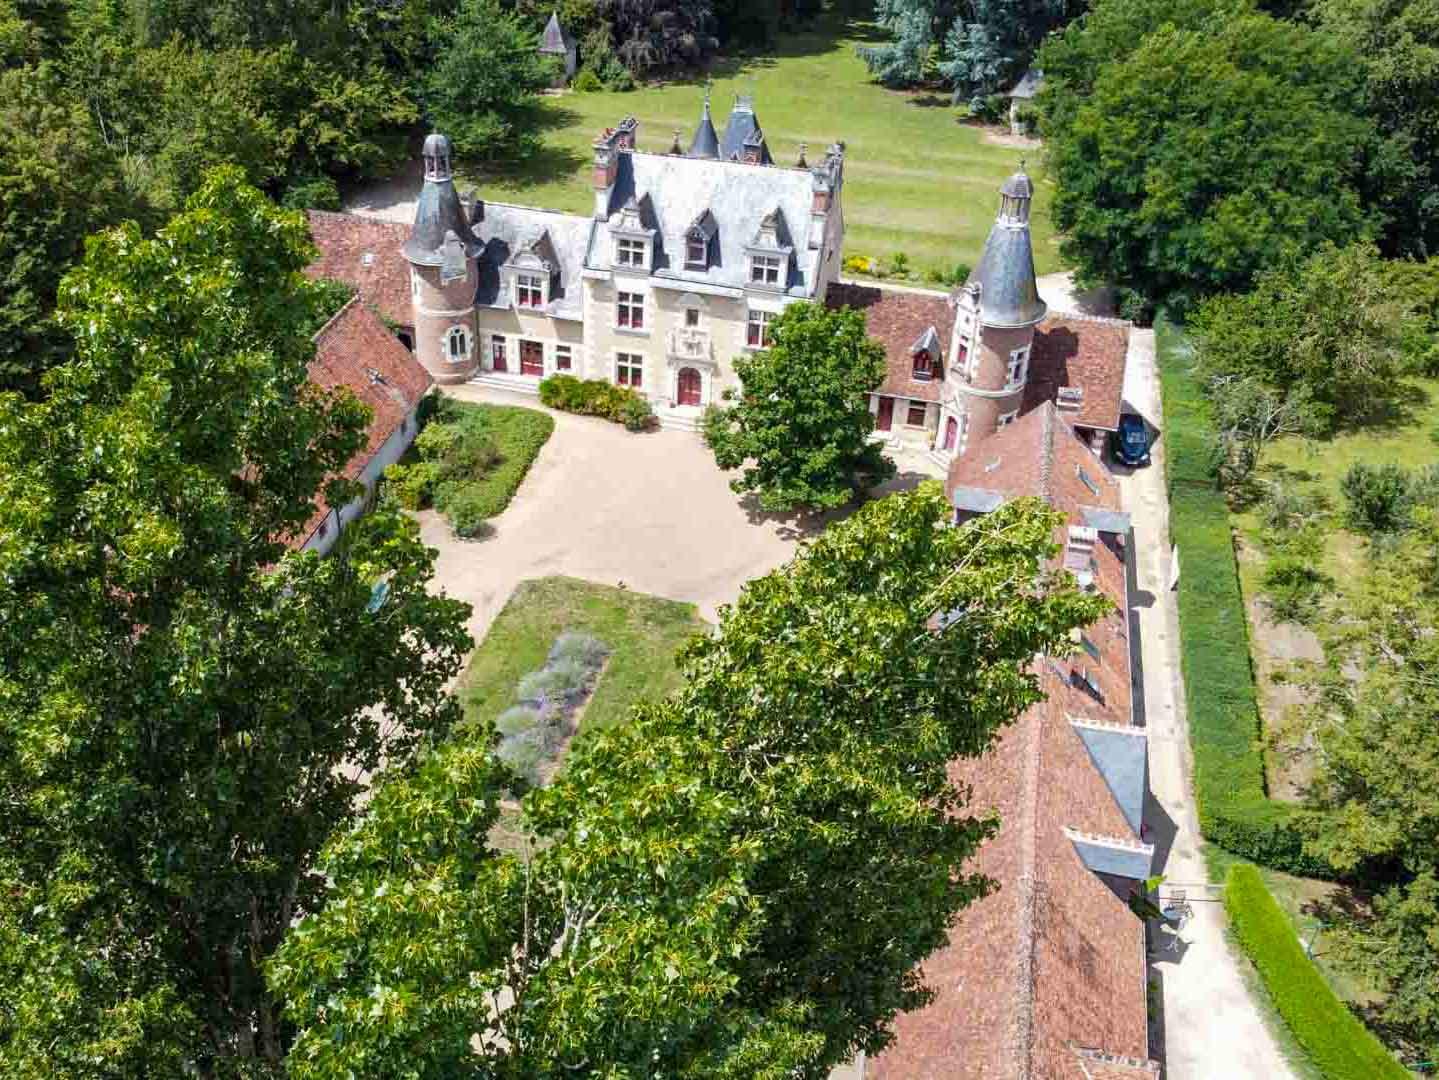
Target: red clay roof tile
point(896, 320)
point(364, 252)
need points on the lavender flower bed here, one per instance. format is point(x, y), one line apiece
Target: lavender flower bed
point(536, 729)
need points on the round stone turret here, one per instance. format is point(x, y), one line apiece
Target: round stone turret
point(443, 252)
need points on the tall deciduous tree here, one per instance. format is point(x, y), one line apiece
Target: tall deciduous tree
point(186, 710)
point(800, 430)
point(737, 883)
point(482, 87)
point(1194, 148)
point(1330, 332)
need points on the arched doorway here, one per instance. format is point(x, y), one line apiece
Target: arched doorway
point(689, 386)
point(951, 433)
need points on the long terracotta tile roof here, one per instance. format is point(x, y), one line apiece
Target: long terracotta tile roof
point(364, 252)
point(897, 320)
point(356, 351)
point(1045, 978)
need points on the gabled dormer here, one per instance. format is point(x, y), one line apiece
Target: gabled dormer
point(926, 358)
point(770, 253)
point(632, 238)
point(531, 273)
point(701, 241)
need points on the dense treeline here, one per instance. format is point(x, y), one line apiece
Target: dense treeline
point(114, 109)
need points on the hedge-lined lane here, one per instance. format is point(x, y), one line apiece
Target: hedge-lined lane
point(1235, 810)
point(1336, 1042)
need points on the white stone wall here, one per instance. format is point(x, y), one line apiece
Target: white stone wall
point(390, 451)
point(517, 325)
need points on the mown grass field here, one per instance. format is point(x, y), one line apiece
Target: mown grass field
point(918, 180)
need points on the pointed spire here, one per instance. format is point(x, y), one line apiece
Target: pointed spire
point(442, 225)
point(802, 163)
point(706, 140)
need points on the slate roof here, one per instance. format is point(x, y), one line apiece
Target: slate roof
point(439, 217)
point(1045, 978)
point(896, 319)
point(1009, 295)
point(366, 253)
point(1076, 350)
point(556, 39)
point(705, 144)
point(739, 196)
point(1028, 84)
point(743, 128)
point(356, 351)
point(505, 229)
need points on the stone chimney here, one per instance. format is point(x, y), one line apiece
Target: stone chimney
point(626, 133)
point(607, 166)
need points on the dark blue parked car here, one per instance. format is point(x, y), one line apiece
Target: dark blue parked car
point(1131, 442)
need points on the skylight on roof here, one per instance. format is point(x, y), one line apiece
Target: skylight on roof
point(1087, 479)
point(367, 259)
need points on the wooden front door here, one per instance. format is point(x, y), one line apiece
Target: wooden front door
point(689, 386)
point(885, 420)
point(532, 358)
point(951, 433)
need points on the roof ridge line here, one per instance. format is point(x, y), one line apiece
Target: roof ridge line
point(1046, 453)
point(1023, 1025)
point(1084, 316)
point(354, 299)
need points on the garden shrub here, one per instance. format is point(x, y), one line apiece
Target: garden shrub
point(587, 82)
point(595, 397)
point(1235, 810)
point(516, 719)
point(576, 647)
point(858, 264)
point(1377, 497)
point(1337, 1043)
point(1293, 585)
point(468, 461)
point(899, 263)
point(524, 752)
point(311, 193)
point(955, 276)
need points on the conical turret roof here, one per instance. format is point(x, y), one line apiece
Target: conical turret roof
point(1009, 294)
point(706, 141)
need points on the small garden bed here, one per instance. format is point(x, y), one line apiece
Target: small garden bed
point(468, 460)
point(642, 634)
point(537, 729)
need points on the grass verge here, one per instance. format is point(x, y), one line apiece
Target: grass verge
point(1235, 810)
point(1336, 1042)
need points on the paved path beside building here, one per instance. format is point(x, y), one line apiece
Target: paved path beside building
point(1209, 1027)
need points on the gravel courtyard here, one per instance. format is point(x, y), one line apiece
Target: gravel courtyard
point(647, 511)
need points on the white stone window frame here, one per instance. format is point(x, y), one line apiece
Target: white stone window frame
point(631, 252)
point(631, 300)
point(910, 404)
point(763, 264)
point(634, 365)
point(499, 343)
point(414, 284)
point(530, 281)
point(762, 317)
point(1018, 369)
point(564, 351)
point(458, 356)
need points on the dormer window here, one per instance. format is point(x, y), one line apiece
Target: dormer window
point(696, 254)
point(529, 291)
point(764, 269)
point(923, 365)
point(630, 252)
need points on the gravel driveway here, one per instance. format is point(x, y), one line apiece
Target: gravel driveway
point(648, 511)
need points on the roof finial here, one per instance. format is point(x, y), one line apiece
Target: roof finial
point(675, 146)
point(802, 163)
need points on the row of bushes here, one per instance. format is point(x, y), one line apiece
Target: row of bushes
point(1336, 1042)
point(468, 460)
point(1235, 810)
point(533, 731)
point(595, 397)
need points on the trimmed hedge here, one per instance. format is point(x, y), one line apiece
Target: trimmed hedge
point(1336, 1042)
point(1235, 810)
point(595, 397)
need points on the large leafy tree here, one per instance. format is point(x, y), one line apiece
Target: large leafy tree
point(976, 46)
point(1397, 42)
point(481, 90)
point(740, 881)
point(187, 710)
point(1332, 333)
point(1195, 147)
point(800, 430)
point(1374, 801)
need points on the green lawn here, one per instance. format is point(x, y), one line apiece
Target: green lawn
point(918, 181)
point(642, 632)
